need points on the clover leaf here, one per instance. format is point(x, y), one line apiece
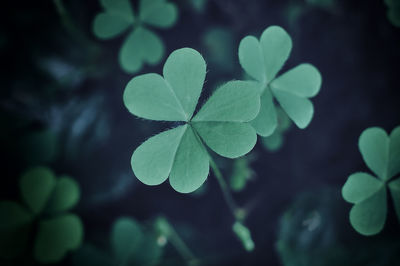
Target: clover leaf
point(244, 235)
point(262, 59)
point(46, 200)
point(130, 245)
point(141, 45)
point(221, 123)
point(381, 153)
point(241, 173)
point(275, 141)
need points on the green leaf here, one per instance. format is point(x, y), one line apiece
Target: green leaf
point(273, 142)
point(360, 186)
point(394, 153)
point(394, 187)
point(57, 236)
point(244, 235)
point(65, 195)
point(36, 186)
point(235, 101)
point(299, 109)
point(140, 47)
point(184, 72)
point(191, 164)
point(368, 217)
point(241, 173)
point(228, 139)
point(276, 45)
point(266, 121)
point(107, 26)
point(251, 58)
point(126, 237)
point(153, 160)
point(121, 8)
point(374, 147)
point(158, 13)
point(150, 252)
point(14, 229)
point(149, 96)
point(393, 15)
point(303, 81)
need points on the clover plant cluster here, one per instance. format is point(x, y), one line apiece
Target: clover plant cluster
point(368, 193)
point(141, 45)
point(44, 215)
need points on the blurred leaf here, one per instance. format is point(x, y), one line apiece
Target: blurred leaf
point(220, 52)
point(142, 46)
point(14, 228)
point(262, 59)
point(275, 141)
point(220, 123)
point(394, 187)
point(64, 196)
point(241, 173)
point(57, 236)
point(36, 186)
point(126, 237)
point(393, 12)
point(243, 233)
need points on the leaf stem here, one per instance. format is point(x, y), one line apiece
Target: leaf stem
point(236, 211)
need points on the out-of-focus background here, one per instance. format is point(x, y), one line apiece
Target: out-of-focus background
point(61, 108)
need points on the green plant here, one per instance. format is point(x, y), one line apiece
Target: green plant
point(262, 59)
point(46, 202)
point(275, 141)
point(381, 153)
point(221, 123)
point(393, 13)
point(142, 45)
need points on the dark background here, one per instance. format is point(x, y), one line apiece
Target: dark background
point(61, 78)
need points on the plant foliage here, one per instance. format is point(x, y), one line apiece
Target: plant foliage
point(46, 201)
point(262, 60)
point(141, 45)
point(381, 154)
point(221, 123)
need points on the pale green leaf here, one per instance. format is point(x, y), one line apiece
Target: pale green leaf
point(394, 153)
point(244, 235)
point(374, 147)
point(121, 8)
point(126, 237)
point(235, 101)
point(36, 186)
point(299, 109)
point(241, 173)
point(149, 254)
point(303, 81)
point(394, 187)
point(251, 58)
point(142, 46)
point(14, 229)
point(153, 160)
point(273, 142)
point(107, 25)
point(57, 236)
point(360, 186)
point(185, 71)
point(368, 217)
point(228, 139)
point(266, 121)
point(65, 195)
point(149, 96)
point(191, 164)
point(276, 45)
point(158, 13)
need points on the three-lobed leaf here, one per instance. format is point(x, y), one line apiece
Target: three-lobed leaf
point(221, 123)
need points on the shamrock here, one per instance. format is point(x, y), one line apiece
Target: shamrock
point(275, 141)
point(142, 45)
point(381, 153)
point(262, 59)
point(46, 200)
point(221, 123)
point(130, 245)
point(393, 12)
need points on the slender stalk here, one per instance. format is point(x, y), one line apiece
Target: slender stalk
point(236, 211)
